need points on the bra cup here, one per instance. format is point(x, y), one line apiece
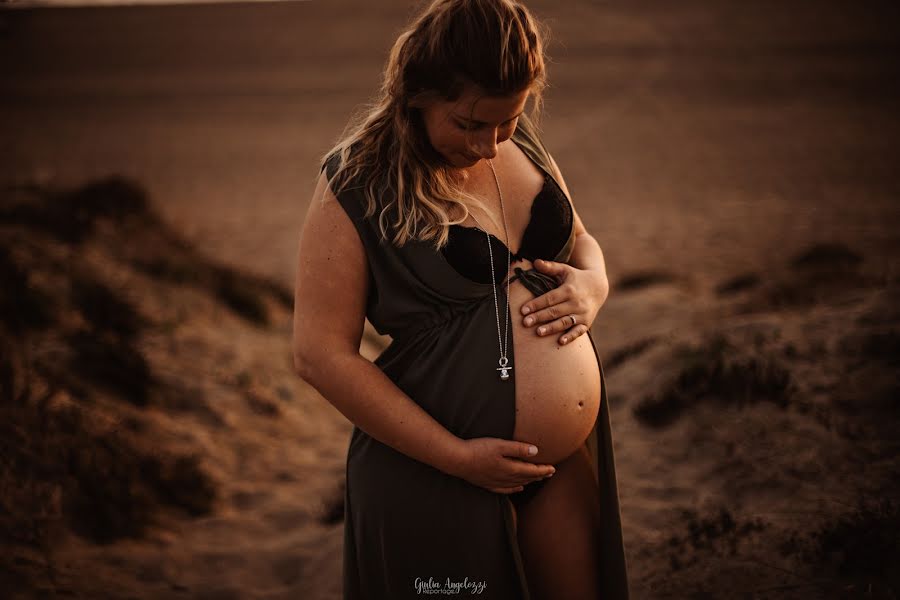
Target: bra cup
point(549, 227)
point(545, 236)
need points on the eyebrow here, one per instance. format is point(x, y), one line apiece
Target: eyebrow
point(461, 118)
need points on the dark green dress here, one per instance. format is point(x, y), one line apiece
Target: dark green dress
point(407, 524)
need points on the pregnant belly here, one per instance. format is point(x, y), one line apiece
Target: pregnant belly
point(557, 386)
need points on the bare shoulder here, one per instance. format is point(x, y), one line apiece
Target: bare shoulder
point(328, 227)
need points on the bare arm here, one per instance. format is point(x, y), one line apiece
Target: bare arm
point(329, 314)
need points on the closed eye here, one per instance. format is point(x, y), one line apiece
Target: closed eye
point(474, 127)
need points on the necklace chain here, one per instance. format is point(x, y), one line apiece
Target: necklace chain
point(504, 345)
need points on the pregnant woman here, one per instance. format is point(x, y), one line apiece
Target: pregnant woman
point(481, 457)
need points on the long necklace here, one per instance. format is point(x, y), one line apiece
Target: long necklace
point(504, 367)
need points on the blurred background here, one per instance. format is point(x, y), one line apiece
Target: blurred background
point(737, 163)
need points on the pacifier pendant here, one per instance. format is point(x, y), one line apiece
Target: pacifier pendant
point(503, 368)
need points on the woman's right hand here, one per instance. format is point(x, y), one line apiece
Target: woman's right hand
point(496, 465)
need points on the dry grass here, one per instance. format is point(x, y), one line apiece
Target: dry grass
point(70, 351)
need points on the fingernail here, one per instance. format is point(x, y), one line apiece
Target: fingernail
point(541, 330)
point(532, 450)
point(526, 310)
point(529, 320)
point(564, 340)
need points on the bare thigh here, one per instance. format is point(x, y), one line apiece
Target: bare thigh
point(559, 533)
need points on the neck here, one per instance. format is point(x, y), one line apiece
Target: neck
point(465, 174)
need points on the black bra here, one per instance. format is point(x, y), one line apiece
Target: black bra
point(546, 234)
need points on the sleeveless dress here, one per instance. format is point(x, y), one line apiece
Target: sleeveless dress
point(410, 529)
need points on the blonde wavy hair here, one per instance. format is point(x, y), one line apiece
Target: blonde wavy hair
point(495, 45)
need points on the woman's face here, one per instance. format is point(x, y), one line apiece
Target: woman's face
point(469, 129)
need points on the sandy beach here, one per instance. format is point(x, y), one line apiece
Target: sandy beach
point(736, 163)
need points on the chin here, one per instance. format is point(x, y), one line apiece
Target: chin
point(451, 161)
point(468, 162)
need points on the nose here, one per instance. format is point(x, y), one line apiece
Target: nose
point(485, 145)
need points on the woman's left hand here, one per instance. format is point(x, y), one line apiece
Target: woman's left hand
point(581, 293)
